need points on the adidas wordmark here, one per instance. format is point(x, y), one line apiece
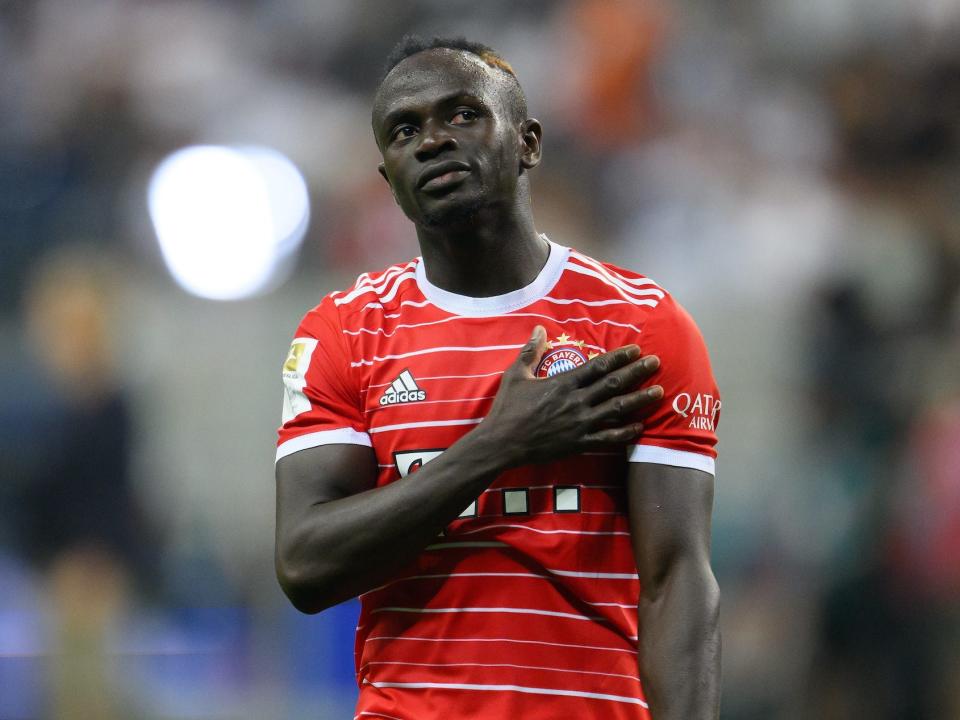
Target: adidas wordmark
point(403, 390)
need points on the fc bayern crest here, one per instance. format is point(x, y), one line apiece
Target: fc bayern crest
point(563, 354)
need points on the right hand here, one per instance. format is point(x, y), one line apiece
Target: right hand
point(538, 420)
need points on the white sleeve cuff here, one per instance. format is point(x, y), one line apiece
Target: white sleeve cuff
point(665, 456)
point(339, 436)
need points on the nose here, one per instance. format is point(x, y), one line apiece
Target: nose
point(435, 138)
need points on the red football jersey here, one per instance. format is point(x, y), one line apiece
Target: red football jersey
point(527, 605)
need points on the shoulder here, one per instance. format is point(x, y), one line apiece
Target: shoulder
point(372, 291)
point(627, 287)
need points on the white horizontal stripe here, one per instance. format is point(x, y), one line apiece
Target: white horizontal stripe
point(375, 714)
point(616, 277)
point(514, 688)
point(429, 402)
point(339, 436)
point(405, 303)
point(612, 604)
point(500, 665)
point(506, 610)
point(588, 303)
point(366, 279)
point(553, 512)
point(396, 287)
point(545, 532)
point(425, 423)
point(505, 640)
point(398, 276)
point(551, 487)
point(601, 273)
point(458, 575)
point(402, 326)
point(477, 543)
point(677, 458)
point(627, 294)
point(441, 377)
point(595, 575)
point(430, 351)
point(408, 326)
point(587, 260)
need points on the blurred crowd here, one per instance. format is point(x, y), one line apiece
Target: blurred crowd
point(789, 169)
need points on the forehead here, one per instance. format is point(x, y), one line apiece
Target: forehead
point(433, 74)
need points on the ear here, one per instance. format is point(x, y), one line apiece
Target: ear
point(383, 172)
point(530, 134)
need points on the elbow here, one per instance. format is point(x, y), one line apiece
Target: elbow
point(302, 589)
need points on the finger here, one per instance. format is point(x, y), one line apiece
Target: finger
point(616, 409)
point(603, 364)
point(623, 380)
point(531, 353)
point(618, 435)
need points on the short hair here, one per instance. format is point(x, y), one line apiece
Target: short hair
point(412, 44)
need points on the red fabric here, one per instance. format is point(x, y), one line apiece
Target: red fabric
point(536, 617)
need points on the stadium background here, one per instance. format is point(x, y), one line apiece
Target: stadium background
point(790, 169)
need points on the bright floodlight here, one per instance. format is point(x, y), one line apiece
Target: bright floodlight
point(227, 218)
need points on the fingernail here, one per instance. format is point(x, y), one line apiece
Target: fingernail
point(656, 392)
point(652, 362)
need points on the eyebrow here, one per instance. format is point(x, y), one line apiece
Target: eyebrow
point(392, 117)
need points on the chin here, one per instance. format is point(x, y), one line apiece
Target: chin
point(452, 214)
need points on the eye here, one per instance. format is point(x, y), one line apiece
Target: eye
point(403, 132)
point(464, 115)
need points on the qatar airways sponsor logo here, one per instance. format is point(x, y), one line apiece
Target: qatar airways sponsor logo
point(701, 409)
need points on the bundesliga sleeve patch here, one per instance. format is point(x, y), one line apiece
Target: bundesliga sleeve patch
point(295, 378)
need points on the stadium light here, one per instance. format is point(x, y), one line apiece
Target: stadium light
point(229, 220)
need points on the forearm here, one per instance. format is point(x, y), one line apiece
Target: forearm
point(336, 550)
point(679, 644)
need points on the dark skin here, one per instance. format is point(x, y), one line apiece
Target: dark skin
point(457, 161)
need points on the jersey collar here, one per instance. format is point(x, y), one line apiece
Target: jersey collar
point(496, 304)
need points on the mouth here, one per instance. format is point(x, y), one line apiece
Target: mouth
point(442, 175)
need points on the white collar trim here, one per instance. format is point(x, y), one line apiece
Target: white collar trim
point(497, 304)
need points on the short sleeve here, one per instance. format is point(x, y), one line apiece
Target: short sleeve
point(682, 429)
point(321, 401)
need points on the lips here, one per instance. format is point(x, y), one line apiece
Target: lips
point(441, 174)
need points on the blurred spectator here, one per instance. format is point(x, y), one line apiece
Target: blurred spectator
point(80, 522)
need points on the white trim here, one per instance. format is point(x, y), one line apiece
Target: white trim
point(429, 351)
point(631, 294)
point(631, 651)
point(677, 458)
point(594, 575)
point(514, 688)
point(498, 665)
point(592, 262)
point(507, 610)
point(497, 304)
point(426, 423)
point(442, 377)
point(375, 714)
point(339, 436)
point(543, 532)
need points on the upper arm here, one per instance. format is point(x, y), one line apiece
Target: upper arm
point(323, 451)
point(318, 475)
point(670, 510)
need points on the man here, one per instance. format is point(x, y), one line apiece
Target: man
point(462, 443)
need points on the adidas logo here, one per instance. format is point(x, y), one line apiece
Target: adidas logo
point(403, 390)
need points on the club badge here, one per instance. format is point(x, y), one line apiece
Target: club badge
point(563, 354)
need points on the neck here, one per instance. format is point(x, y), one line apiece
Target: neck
point(494, 253)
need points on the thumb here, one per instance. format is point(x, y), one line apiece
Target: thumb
point(531, 353)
